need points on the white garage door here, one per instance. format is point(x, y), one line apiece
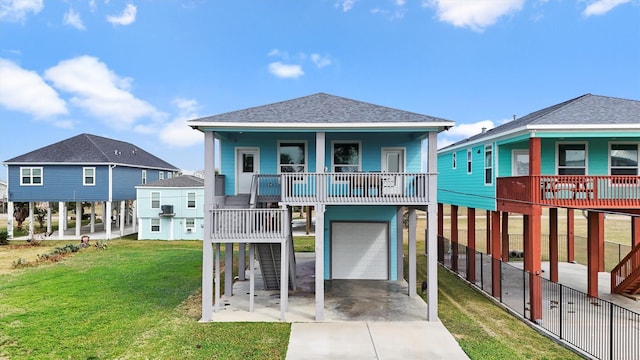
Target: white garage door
point(359, 251)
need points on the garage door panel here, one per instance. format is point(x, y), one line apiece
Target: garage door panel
point(360, 251)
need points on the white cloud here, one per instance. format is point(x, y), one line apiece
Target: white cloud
point(177, 133)
point(476, 14)
point(320, 61)
point(346, 5)
point(25, 91)
point(285, 70)
point(462, 131)
point(73, 18)
point(17, 10)
point(63, 124)
point(100, 91)
point(601, 7)
point(127, 17)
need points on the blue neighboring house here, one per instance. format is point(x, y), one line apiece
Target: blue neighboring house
point(84, 168)
point(581, 154)
point(359, 165)
point(171, 209)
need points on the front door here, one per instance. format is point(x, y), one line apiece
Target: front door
point(392, 162)
point(247, 165)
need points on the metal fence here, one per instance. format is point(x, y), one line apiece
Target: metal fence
point(599, 328)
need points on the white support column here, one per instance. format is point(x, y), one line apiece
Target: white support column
point(10, 220)
point(78, 218)
point(207, 241)
point(252, 279)
point(241, 261)
point(284, 279)
point(319, 243)
point(122, 217)
point(31, 222)
point(134, 215)
point(106, 217)
point(432, 230)
point(61, 220)
point(49, 217)
point(228, 269)
point(412, 252)
point(400, 243)
point(92, 218)
point(216, 299)
point(65, 218)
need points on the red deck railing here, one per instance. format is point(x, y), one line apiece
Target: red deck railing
point(576, 191)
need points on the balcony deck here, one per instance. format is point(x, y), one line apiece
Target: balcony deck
point(367, 188)
point(517, 193)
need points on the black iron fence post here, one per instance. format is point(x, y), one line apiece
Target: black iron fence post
point(611, 331)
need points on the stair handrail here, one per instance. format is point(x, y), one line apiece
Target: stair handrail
point(253, 192)
point(626, 267)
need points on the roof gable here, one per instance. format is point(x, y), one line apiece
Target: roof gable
point(92, 149)
point(319, 108)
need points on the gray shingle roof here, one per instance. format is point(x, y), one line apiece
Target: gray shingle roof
point(92, 149)
point(178, 181)
point(319, 108)
point(587, 109)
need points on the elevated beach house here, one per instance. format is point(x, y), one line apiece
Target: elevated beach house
point(83, 169)
point(357, 164)
point(581, 154)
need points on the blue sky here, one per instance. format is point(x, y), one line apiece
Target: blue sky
point(138, 70)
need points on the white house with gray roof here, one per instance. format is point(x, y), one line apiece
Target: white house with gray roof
point(171, 209)
point(357, 164)
point(85, 168)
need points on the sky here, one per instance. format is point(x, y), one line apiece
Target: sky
point(137, 70)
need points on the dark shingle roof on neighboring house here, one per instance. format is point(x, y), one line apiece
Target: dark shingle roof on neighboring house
point(319, 108)
point(583, 111)
point(178, 181)
point(92, 149)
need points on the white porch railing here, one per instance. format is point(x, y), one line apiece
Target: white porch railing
point(347, 188)
point(250, 225)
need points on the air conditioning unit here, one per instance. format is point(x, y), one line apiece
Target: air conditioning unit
point(167, 210)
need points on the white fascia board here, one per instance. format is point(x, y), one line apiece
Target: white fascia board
point(489, 139)
point(320, 126)
point(583, 127)
point(22, 163)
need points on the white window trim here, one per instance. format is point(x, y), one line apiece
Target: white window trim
point(151, 199)
point(454, 160)
point(31, 168)
point(346, 142)
point(84, 176)
point(144, 177)
point(490, 148)
point(159, 225)
point(586, 155)
point(469, 162)
point(622, 143)
point(195, 200)
point(193, 228)
point(161, 175)
point(306, 153)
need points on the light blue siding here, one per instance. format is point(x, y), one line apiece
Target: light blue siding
point(170, 227)
point(362, 213)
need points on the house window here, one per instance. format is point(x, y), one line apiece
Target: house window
point(89, 176)
point(191, 200)
point(155, 200)
point(488, 165)
point(161, 175)
point(454, 161)
point(31, 176)
point(469, 157)
point(572, 159)
point(292, 157)
point(346, 157)
point(190, 224)
point(169, 174)
point(155, 225)
point(144, 177)
point(624, 159)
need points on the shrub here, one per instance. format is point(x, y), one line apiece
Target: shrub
point(4, 238)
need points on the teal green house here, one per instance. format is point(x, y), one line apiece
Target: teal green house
point(581, 154)
point(358, 165)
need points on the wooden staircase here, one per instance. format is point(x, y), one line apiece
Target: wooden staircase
point(625, 277)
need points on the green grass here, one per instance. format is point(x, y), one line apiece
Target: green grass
point(123, 302)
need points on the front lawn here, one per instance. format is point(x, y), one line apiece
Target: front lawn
point(128, 301)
